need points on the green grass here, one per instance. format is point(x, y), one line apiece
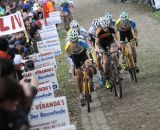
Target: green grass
point(67, 85)
point(157, 14)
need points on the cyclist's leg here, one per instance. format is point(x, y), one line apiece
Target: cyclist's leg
point(105, 65)
point(133, 48)
point(91, 69)
point(79, 74)
point(114, 48)
point(123, 38)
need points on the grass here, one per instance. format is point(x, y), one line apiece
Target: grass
point(157, 14)
point(67, 85)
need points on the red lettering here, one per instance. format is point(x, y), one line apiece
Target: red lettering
point(47, 105)
point(27, 75)
point(62, 102)
point(13, 23)
point(2, 27)
point(18, 20)
point(44, 89)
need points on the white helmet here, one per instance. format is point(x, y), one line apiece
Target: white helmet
point(105, 22)
point(95, 23)
point(108, 16)
point(124, 16)
point(74, 24)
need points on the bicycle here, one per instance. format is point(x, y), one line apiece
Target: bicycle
point(114, 73)
point(128, 58)
point(86, 88)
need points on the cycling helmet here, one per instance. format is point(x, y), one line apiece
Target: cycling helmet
point(108, 16)
point(73, 35)
point(124, 16)
point(74, 24)
point(95, 23)
point(105, 22)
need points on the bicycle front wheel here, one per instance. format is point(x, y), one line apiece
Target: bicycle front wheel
point(118, 88)
point(87, 95)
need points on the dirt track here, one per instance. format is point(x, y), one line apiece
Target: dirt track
point(139, 109)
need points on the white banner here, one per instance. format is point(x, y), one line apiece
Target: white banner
point(70, 127)
point(11, 24)
point(49, 114)
point(44, 91)
point(44, 59)
point(44, 75)
point(54, 18)
point(50, 44)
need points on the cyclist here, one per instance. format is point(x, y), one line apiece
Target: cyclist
point(91, 41)
point(105, 40)
point(92, 32)
point(66, 9)
point(77, 51)
point(127, 29)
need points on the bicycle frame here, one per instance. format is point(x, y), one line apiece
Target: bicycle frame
point(85, 78)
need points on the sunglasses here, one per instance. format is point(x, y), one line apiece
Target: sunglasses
point(125, 21)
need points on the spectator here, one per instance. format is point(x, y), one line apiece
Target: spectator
point(4, 47)
point(26, 5)
point(50, 5)
point(2, 11)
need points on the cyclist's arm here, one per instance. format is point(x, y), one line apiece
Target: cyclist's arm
point(117, 36)
point(135, 34)
point(134, 29)
point(97, 40)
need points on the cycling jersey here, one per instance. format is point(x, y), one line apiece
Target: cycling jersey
point(81, 45)
point(125, 26)
point(65, 7)
point(113, 22)
point(77, 52)
point(92, 33)
point(125, 29)
point(105, 38)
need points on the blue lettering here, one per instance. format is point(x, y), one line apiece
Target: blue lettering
point(43, 95)
point(45, 76)
point(52, 113)
point(33, 116)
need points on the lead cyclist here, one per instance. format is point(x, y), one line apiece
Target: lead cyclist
point(127, 29)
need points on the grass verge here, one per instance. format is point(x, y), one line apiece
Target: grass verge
point(157, 14)
point(67, 85)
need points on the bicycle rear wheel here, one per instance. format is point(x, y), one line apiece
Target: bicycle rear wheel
point(87, 95)
point(131, 74)
point(134, 75)
point(113, 81)
point(117, 83)
point(118, 88)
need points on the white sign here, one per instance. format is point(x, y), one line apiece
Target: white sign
point(70, 127)
point(44, 59)
point(49, 114)
point(11, 24)
point(50, 44)
point(157, 4)
point(54, 18)
point(44, 75)
point(44, 91)
point(48, 32)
